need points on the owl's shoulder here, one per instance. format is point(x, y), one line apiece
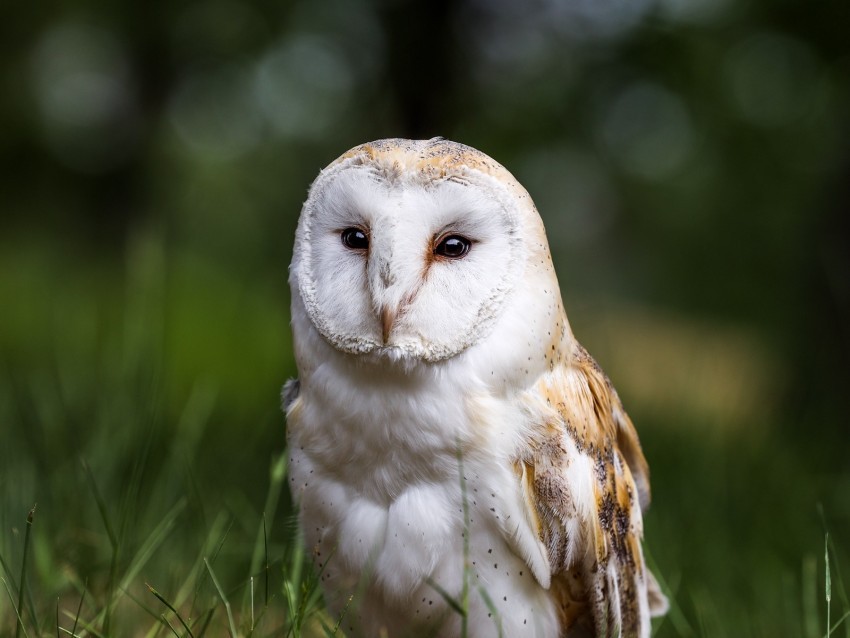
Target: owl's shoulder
point(289, 394)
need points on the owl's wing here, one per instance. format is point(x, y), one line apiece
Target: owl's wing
point(586, 482)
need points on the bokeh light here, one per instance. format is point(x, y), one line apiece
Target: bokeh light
point(647, 130)
point(303, 86)
point(773, 79)
point(85, 95)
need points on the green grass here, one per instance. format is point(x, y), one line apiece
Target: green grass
point(144, 422)
point(194, 599)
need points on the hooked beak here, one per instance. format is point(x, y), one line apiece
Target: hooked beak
point(388, 317)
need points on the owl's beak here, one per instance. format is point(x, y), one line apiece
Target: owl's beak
point(388, 317)
point(390, 286)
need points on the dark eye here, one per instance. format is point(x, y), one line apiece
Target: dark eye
point(355, 239)
point(453, 247)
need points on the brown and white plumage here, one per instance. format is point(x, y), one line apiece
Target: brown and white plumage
point(411, 357)
point(591, 526)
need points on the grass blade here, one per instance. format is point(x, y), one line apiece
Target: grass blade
point(450, 600)
point(670, 586)
point(173, 630)
point(342, 615)
point(842, 592)
point(155, 615)
point(101, 505)
point(152, 543)
point(85, 627)
point(9, 576)
point(141, 558)
point(837, 624)
point(266, 547)
point(827, 584)
point(23, 579)
point(223, 599)
point(497, 619)
point(113, 542)
point(79, 609)
point(202, 573)
point(810, 597)
point(206, 623)
point(197, 573)
point(302, 593)
point(467, 567)
point(17, 615)
point(277, 475)
point(171, 607)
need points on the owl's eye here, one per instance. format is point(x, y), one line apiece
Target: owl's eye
point(453, 247)
point(355, 239)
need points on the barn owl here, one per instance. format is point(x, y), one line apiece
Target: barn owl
point(463, 467)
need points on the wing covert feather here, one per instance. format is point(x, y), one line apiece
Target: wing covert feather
point(589, 483)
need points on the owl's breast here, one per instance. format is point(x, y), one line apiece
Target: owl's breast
point(405, 480)
point(397, 557)
point(397, 544)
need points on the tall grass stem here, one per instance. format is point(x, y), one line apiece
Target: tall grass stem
point(23, 579)
point(223, 599)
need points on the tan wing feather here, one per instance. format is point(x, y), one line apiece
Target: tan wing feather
point(589, 482)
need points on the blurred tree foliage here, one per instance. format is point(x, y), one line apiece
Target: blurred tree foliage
point(691, 160)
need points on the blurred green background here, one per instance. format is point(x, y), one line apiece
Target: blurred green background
point(691, 161)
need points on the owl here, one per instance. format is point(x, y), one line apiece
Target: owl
point(462, 466)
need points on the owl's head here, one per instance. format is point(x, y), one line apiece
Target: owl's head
point(409, 249)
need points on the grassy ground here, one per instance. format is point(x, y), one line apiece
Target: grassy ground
point(139, 411)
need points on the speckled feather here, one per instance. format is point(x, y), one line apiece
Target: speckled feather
point(593, 543)
point(446, 426)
